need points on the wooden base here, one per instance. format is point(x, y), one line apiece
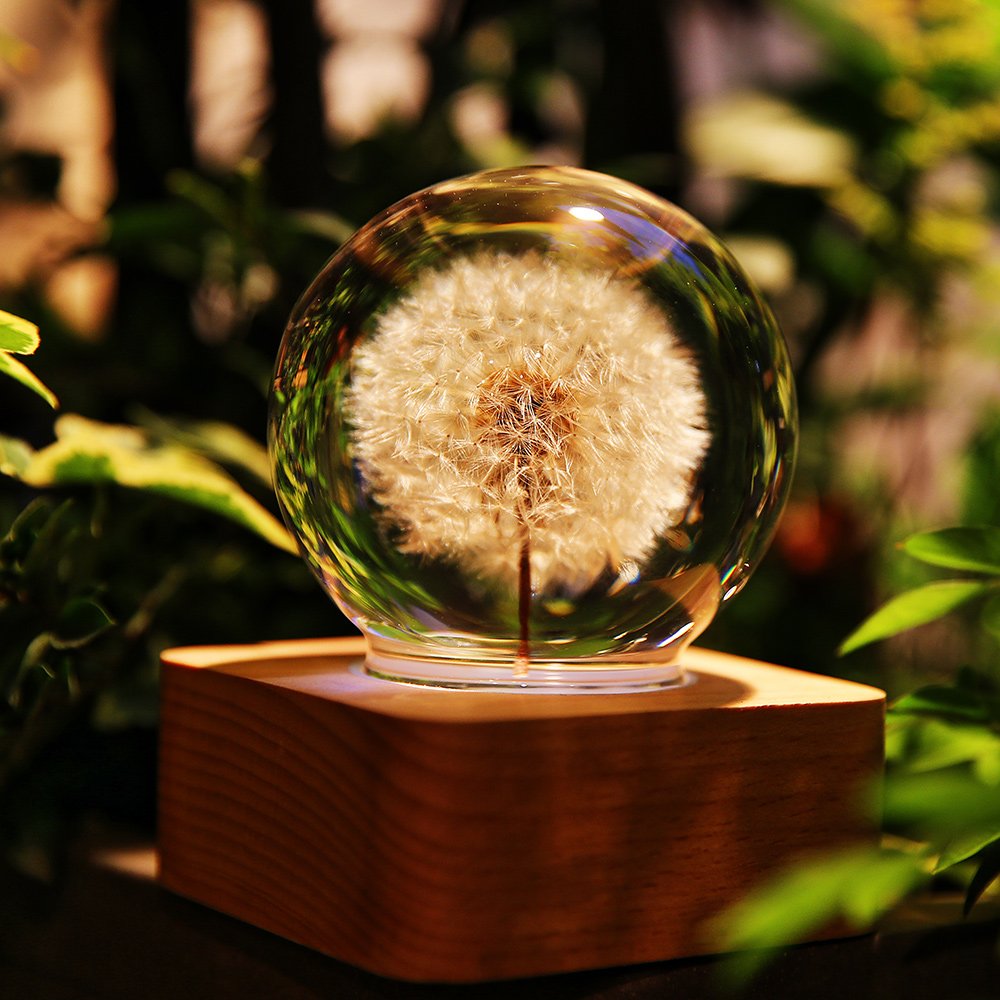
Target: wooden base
point(461, 836)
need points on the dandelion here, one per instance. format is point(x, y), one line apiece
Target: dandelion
point(533, 422)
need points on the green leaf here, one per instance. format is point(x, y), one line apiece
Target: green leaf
point(80, 622)
point(203, 194)
point(991, 615)
point(788, 909)
point(17, 335)
point(219, 441)
point(986, 767)
point(976, 549)
point(863, 55)
point(89, 452)
point(943, 805)
point(986, 874)
point(12, 367)
point(856, 884)
point(964, 845)
point(898, 735)
point(940, 699)
point(876, 887)
point(937, 744)
point(51, 538)
point(325, 224)
point(913, 608)
point(15, 456)
point(24, 530)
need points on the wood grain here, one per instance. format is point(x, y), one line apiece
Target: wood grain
point(463, 836)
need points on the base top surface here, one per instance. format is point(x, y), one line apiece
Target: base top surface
point(331, 669)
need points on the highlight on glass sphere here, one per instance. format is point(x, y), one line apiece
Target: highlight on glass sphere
point(530, 428)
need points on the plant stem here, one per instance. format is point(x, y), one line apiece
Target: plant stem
point(523, 604)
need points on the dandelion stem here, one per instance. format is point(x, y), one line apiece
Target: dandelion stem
point(523, 603)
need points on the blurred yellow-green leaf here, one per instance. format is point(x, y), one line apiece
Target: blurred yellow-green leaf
point(965, 845)
point(957, 702)
point(974, 549)
point(17, 335)
point(219, 441)
point(914, 607)
point(86, 451)
point(15, 456)
point(937, 744)
point(856, 885)
point(13, 368)
point(20, 336)
point(948, 804)
point(757, 136)
point(991, 615)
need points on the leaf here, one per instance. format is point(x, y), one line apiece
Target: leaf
point(943, 805)
point(964, 845)
point(24, 530)
point(898, 735)
point(986, 874)
point(203, 194)
point(17, 335)
point(975, 549)
point(759, 137)
point(325, 224)
point(878, 886)
point(51, 538)
point(12, 367)
point(941, 744)
point(940, 699)
point(991, 615)
point(89, 452)
point(219, 441)
point(787, 909)
point(858, 884)
point(913, 608)
point(80, 622)
point(15, 456)
point(863, 55)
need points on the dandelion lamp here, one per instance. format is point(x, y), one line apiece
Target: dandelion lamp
point(530, 428)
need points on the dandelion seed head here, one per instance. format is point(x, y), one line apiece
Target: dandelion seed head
point(505, 393)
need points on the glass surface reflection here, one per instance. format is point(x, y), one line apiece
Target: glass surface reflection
point(530, 427)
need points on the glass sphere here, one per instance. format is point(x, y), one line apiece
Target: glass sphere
point(530, 427)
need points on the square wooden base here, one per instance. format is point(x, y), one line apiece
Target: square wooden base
point(461, 836)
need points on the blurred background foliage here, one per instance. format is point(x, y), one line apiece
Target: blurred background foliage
point(172, 176)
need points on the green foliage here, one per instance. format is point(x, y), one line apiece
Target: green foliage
point(52, 616)
point(225, 235)
point(219, 441)
point(18, 336)
point(940, 797)
point(973, 549)
point(915, 607)
point(87, 452)
point(855, 886)
point(66, 654)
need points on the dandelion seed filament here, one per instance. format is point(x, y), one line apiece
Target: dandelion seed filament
point(527, 420)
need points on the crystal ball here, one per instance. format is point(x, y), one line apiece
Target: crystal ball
point(530, 428)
